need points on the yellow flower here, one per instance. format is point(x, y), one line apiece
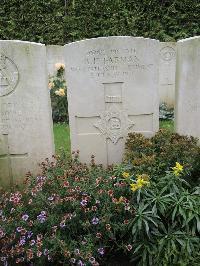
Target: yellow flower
point(60, 92)
point(143, 176)
point(126, 174)
point(141, 181)
point(58, 66)
point(177, 169)
point(134, 187)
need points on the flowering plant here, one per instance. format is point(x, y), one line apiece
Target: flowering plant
point(75, 214)
point(58, 89)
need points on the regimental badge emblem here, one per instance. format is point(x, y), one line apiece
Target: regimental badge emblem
point(168, 53)
point(114, 124)
point(9, 75)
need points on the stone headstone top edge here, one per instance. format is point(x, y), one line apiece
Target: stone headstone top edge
point(111, 37)
point(189, 39)
point(21, 42)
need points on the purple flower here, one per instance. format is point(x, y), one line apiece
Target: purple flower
point(95, 220)
point(32, 243)
point(22, 241)
point(80, 263)
point(46, 252)
point(42, 217)
point(4, 260)
point(41, 178)
point(101, 251)
point(62, 224)
point(84, 203)
point(25, 217)
point(29, 234)
point(51, 198)
point(19, 229)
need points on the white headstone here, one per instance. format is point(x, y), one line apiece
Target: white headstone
point(25, 113)
point(54, 56)
point(167, 69)
point(187, 111)
point(112, 90)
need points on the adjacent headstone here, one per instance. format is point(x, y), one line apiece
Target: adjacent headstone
point(25, 113)
point(187, 111)
point(112, 90)
point(54, 56)
point(167, 69)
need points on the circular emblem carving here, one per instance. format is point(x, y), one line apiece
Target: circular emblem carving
point(9, 75)
point(168, 53)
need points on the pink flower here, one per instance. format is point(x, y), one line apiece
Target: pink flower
point(129, 247)
point(1, 233)
point(66, 184)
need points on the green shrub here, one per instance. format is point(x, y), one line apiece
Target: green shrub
point(57, 86)
point(75, 214)
point(156, 155)
point(53, 22)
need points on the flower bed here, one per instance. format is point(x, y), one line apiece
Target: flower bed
point(75, 214)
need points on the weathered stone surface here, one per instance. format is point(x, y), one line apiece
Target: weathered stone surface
point(25, 113)
point(167, 69)
point(54, 55)
point(112, 90)
point(187, 111)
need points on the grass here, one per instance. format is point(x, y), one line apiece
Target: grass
point(167, 125)
point(62, 137)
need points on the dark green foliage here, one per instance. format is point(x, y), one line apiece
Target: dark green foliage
point(30, 20)
point(59, 103)
point(157, 154)
point(51, 23)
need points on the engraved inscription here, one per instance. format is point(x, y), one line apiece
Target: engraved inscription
point(12, 115)
point(167, 53)
point(9, 75)
point(111, 63)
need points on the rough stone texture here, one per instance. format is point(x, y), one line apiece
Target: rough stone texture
point(54, 55)
point(167, 69)
point(25, 113)
point(187, 111)
point(112, 90)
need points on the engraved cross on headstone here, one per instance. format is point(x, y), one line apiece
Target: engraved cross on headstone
point(113, 123)
point(8, 155)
